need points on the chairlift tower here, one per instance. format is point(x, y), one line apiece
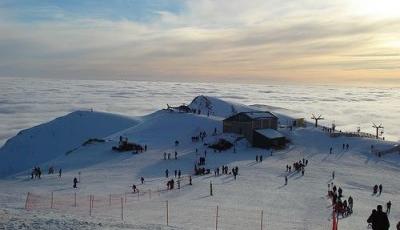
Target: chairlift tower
point(317, 119)
point(377, 127)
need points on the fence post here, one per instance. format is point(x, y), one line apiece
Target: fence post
point(211, 189)
point(122, 208)
point(92, 201)
point(51, 205)
point(167, 213)
point(90, 205)
point(262, 217)
point(216, 219)
point(109, 200)
point(125, 197)
point(149, 194)
point(75, 199)
point(27, 200)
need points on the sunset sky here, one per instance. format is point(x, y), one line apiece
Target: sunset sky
point(349, 41)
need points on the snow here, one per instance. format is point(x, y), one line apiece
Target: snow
point(302, 204)
point(44, 142)
point(270, 133)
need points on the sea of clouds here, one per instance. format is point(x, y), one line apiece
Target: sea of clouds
point(28, 102)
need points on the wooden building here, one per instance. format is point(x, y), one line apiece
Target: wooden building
point(245, 123)
point(268, 138)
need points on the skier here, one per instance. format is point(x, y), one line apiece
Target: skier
point(75, 182)
point(380, 189)
point(142, 180)
point(388, 206)
point(59, 173)
point(166, 173)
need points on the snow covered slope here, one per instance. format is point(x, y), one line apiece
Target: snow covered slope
point(301, 204)
point(217, 107)
point(47, 141)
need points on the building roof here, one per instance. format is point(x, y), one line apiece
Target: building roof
point(252, 115)
point(269, 133)
point(260, 115)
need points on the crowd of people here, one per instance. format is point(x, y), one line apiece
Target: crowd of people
point(340, 205)
point(36, 173)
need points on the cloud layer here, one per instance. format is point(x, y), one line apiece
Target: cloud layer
point(202, 40)
point(28, 102)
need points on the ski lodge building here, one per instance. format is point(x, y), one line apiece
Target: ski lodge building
point(259, 128)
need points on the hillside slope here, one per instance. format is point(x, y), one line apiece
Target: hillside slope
point(47, 141)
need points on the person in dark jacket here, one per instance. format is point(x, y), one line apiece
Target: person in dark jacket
point(75, 182)
point(372, 219)
point(388, 206)
point(379, 219)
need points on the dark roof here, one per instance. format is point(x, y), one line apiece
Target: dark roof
point(254, 115)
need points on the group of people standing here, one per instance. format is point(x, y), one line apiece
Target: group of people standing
point(340, 206)
point(167, 156)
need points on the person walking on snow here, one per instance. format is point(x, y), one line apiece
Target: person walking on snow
point(380, 189)
point(166, 173)
point(388, 206)
point(379, 219)
point(142, 180)
point(285, 180)
point(333, 175)
point(75, 182)
point(59, 173)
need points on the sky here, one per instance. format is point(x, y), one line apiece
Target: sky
point(349, 41)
